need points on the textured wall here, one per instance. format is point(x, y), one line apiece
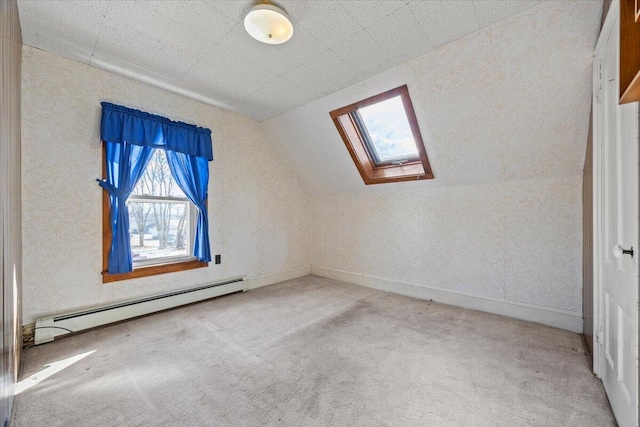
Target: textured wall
point(10, 236)
point(518, 241)
point(259, 215)
point(505, 112)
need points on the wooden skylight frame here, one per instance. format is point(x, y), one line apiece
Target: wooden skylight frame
point(355, 139)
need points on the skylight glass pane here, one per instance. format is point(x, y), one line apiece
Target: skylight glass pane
point(389, 130)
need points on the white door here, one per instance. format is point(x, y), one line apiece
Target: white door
point(617, 227)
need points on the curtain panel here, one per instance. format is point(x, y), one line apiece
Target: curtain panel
point(130, 136)
point(192, 176)
point(125, 165)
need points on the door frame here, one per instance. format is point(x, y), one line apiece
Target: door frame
point(597, 131)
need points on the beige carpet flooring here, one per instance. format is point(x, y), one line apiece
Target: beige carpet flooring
point(315, 352)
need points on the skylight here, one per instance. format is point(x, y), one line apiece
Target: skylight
point(382, 136)
point(388, 130)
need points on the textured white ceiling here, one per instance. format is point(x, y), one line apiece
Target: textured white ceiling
point(200, 48)
point(507, 103)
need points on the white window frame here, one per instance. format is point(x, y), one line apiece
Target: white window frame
point(193, 214)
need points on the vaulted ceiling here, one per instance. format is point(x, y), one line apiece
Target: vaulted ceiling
point(507, 103)
point(200, 48)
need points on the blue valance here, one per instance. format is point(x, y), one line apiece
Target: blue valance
point(120, 124)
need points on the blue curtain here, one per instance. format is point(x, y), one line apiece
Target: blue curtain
point(125, 165)
point(192, 176)
point(139, 128)
point(130, 137)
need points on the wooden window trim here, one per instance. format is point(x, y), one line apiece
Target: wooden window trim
point(379, 173)
point(629, 54)
point(146, 271)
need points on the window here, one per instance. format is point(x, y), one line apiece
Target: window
point(161, 217)
point(150, 156)
point(161, 224)
point(381, 133)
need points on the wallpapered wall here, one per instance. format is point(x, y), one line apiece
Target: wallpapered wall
point(259, 214)
point(504, 113)
point(519, 241)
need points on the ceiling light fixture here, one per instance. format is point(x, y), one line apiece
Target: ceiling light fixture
point(268, 23)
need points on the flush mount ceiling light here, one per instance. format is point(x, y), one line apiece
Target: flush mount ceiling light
point(268, 23)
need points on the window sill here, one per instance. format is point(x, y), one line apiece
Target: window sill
point(406, 172)
point(153, 270)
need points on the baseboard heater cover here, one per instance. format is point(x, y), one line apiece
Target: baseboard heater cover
point(49, 327)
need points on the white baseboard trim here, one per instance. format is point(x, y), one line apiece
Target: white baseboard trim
point(562, 319)
point(278, 276)
point(49, 327)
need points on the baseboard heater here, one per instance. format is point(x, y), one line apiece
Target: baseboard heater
point(49, 327)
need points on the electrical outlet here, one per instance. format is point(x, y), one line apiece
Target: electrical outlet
point(218, 259)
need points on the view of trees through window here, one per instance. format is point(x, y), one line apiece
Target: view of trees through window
point(159, 214)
